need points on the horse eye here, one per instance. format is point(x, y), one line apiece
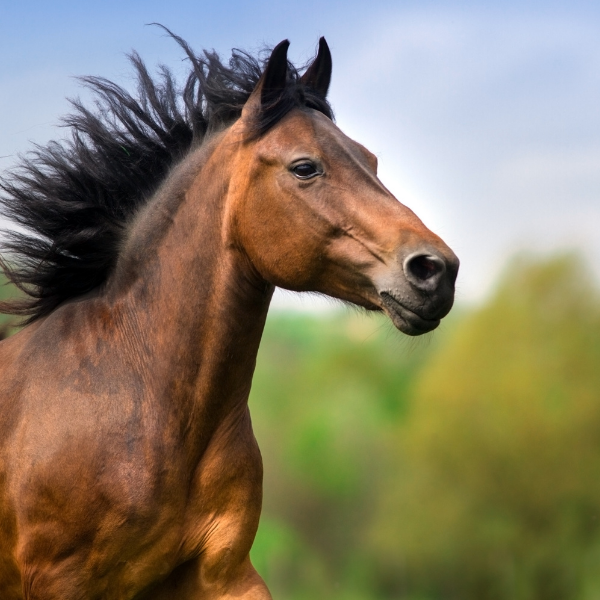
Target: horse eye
point(305, 170)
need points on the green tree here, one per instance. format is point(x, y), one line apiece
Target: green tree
point(6, 291)
point(498, 487)
point(326, 390)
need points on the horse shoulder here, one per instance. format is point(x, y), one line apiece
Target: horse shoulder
point(88, 477)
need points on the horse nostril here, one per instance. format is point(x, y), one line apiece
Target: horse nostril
point(423, 269)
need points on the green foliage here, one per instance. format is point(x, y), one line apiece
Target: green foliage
point(462, 467)
point(6, 291)
point(327, 392)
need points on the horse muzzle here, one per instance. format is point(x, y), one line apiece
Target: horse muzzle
point(422, 293)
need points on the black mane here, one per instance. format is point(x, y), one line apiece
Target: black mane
point(74, 198)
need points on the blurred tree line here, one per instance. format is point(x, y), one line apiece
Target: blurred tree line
point(7, 292)
point(462, 466)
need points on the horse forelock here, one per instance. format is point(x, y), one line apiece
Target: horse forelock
point(74, 199)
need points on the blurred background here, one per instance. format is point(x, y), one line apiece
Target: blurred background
point(465, 465)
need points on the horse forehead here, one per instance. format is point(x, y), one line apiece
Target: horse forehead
point(338, 146)
point(312, 132)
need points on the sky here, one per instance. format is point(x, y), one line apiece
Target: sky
point(485, 116)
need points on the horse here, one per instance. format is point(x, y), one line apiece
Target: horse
point(150, 243)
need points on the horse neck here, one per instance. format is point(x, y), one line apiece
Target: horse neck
point(188, 295)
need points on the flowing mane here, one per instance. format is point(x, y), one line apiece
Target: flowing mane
point(74, 198)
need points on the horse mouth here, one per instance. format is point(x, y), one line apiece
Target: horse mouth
point(404, 319)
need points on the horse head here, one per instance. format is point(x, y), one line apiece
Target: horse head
point(312, 215)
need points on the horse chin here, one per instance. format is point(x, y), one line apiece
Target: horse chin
point(404, 319)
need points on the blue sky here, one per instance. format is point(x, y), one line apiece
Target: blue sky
point(485, 116)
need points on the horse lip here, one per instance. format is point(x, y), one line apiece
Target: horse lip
point(404, 319)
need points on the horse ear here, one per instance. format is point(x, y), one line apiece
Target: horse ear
point(274, 78)
point(271, 83)
point(318, 75)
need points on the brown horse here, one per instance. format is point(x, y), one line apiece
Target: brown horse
point(128, 466)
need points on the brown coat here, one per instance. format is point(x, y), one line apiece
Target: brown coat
point(128, 466)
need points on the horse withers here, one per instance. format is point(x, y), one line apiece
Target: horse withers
point(154, 239)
